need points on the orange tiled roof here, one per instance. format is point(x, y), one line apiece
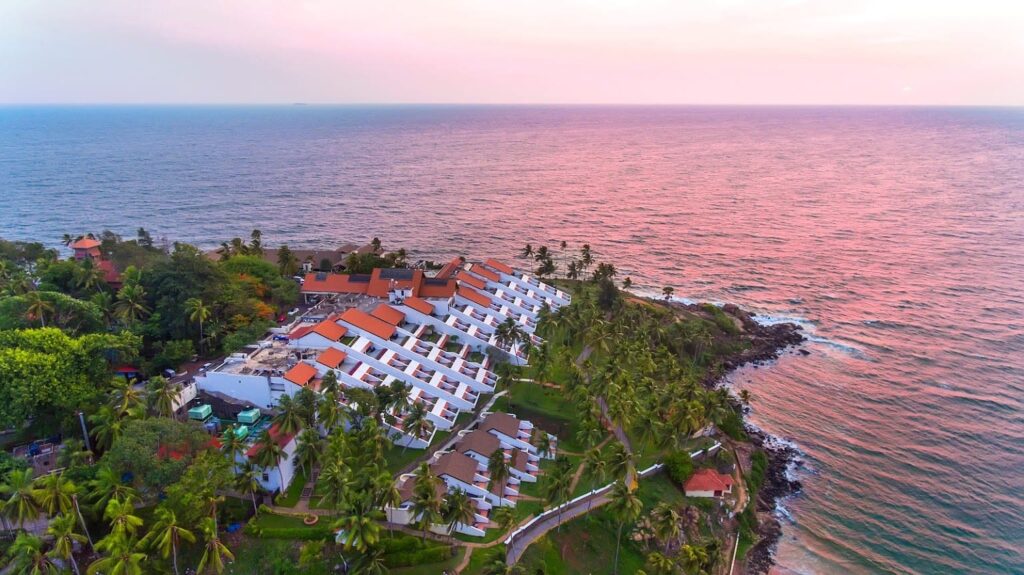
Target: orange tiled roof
point(436, 288)
point(450, 268)
point(366, 322)
point(420, 305)
point(330, 329)
point(471, 280)
point(85, 244)
point(334, 283)
point(301, 374)
point(475, 296)
point(496, 265)
point(332, 357)
point(389, 314)
point(485, 273)
point(707, 480)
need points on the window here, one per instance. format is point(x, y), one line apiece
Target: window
point(266, 477)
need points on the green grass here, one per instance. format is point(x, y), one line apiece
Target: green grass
point(481, 558)
point(294, 492)
point(273, 521)
point(396, 457)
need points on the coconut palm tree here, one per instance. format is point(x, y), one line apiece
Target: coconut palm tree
point(107, 426)
point(214, 552)
point(89, 276)
point(416, 423)
point(52, 492)
point(498, 469)
point(359, 525)
point(231, 445)
point(559, 485)
point(328, 410)
point(247, 479)
point(308, 450)
point(197, 312)
point(27, 557)
point(20, 506)
point(457, 508)
point(38, 307)
point(620, 461)
point(167, 534)
point(125, 398)
point(499, 567)
point(122, 521)
point(597, 469)
point(372, 563)
point(105, 302)
point(505, 517)
point(289, 417)
point(62, 530)
point(131, 304)
point(661, 564)
point(270, 454)
point(81, 520)
point(426, 502)
point(107, 486)
point(164, 395)
point(120, 557)
point(665, 521)
point(693, 557)
point(626, 507)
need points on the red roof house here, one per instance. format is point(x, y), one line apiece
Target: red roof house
point(708, 483)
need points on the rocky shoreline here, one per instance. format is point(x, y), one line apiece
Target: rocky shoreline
point(767, 342)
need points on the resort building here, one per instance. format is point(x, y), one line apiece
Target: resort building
point(708, 483)
point(436, 335)
point(87, 248)
point(465, 468)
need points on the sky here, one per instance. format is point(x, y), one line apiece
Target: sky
point(869, 52)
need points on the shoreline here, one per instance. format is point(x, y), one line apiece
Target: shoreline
point(768, 343)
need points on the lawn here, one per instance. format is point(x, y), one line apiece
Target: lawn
point(587, 544)
point(291, 496)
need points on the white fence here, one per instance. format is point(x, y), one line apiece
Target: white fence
point(595, 492)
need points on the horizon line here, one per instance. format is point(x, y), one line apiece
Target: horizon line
point(505, 104)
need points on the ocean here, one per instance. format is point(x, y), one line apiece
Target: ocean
point(895, 236)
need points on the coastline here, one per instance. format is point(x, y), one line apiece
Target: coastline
point(768, 342)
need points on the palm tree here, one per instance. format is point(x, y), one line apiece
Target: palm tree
point(626, 508)
point(597, 468)
point(328, 410)
point(270, 454)
point(107, 486)
point(52, 492)
point(122, 522)
point(498, 469)
point(90, 276)
point(627, 283)
point(38, 307)
point(527, 251)
point(164, 395)
point(426, 502)
point(288, 419)
point(508, 333)
point(661, 564)
point(667, 292)
point(620, 461)
point(81, 520)
point(665, 522)
point(693, 557)
point(131, 304)
point(361, 529)
point(372, 563)
point(308, 450)
point(586, 257)
point(124, 398)
point(559, 485)
point(745, 396)
point(197, 312)
point(119, 559)
point(167, 534)
point(247, 479)
point(214, 552)
point(107, 426)
point(26, 555)
point(505, 517)
point(105, 302)
point(457, 508)
point(499, 567)
point(20, 505)
point(231, 445)
point(416, 423)
point(62, 530)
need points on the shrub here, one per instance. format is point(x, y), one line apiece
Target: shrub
point(722, 319)
point(319, 532)
point(679, 466)
point(758, 467)
point(732, 425)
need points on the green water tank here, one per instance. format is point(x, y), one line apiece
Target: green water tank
point(249, 416)
point(200, 412)
point(241, 431)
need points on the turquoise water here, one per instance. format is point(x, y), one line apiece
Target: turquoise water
point(896, 236)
